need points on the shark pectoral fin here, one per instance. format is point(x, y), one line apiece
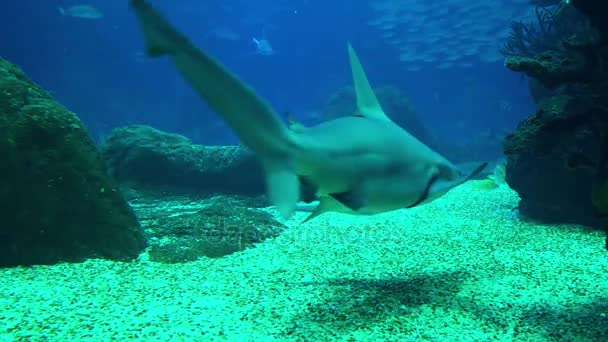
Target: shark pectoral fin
point(367, 103)
point(282, 185)
point(326, 204)
point(318, 210)
point(350, 199)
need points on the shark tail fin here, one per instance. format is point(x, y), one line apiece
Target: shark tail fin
point(250, 116)
point(160, 37)
point(367, 103)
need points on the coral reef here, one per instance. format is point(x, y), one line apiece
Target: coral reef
point(557, 157)
point(56, 201)
point(149, 158)
point(552, 24)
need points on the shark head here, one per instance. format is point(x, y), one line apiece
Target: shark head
point(440, 175)
point(446, 178)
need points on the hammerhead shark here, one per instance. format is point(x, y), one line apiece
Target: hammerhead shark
point(361, 164)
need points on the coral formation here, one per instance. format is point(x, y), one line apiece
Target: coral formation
point(552, 24)
point(557, 157)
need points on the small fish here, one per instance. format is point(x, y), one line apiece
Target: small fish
point(81, 11)
point(263, 47)
point(223, 33)
point(505, 106)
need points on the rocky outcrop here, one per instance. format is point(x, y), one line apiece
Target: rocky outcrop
point(185, 228)
point(147, 157)
point(556, 158)
point(553, 161)
point(56, 201)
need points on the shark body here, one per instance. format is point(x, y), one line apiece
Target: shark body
point(362, 164)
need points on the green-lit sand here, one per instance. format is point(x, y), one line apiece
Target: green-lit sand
point(460, 269)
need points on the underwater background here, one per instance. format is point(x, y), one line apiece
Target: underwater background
point(97, 67)
point(132, 211)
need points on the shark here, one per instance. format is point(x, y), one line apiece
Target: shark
point(361, 164)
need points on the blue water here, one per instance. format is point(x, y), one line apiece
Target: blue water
point(96, 67)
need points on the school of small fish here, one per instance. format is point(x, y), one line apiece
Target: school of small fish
point(445, 34)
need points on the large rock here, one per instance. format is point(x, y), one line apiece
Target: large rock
point(558, 157)
point(144, 156)
point(553, 158)
point(554, 68)
point(56, 201)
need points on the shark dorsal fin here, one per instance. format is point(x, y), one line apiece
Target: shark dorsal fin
point(367, 103)
point(293, 124)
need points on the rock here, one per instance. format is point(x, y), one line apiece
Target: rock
point(538, 91)
point(552, 160)
point(185, 228)
point(552, 69)
point(558, 157)
point(545, 131)
point(56, 201)
point(597, 12)
point(147, 157)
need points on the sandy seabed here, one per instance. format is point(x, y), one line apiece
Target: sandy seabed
point(463, 268)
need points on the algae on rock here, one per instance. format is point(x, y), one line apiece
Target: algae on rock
point(56, 201)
